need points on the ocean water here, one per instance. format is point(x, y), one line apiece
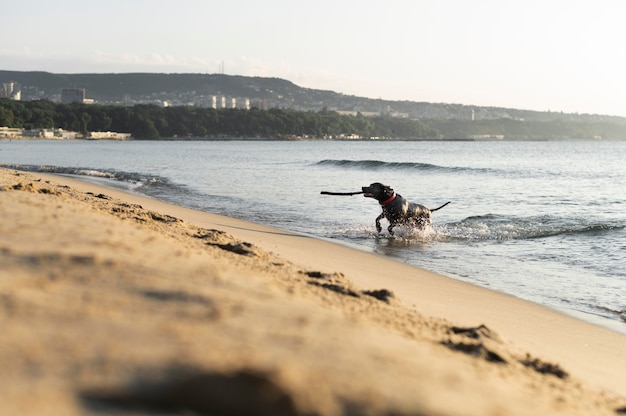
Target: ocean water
point(544, 221)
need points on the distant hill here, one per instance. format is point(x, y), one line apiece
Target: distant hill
point(174, 88)
point(198, 89)
point(114, 86)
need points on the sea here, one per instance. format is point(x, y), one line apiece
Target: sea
point(544, 221)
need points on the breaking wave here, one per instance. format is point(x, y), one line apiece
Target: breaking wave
point(496, 227)
point(381, 165)
point(489, 227)
point(131, 180)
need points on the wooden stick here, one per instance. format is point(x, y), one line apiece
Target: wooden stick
point(341, 193)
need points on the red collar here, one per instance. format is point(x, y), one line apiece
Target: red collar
point(390, 200)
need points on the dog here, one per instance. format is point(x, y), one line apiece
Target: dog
point(397, 209)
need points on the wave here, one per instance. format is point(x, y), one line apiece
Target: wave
point(379, 165)
point(612, 313)
point(491, 227)
point(132, 180)
point(496, 227)
point(145, 184)
point(61, 170)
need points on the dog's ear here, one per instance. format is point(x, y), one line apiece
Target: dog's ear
point(388, 188)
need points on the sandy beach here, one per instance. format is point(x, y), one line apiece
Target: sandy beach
point(113, 303)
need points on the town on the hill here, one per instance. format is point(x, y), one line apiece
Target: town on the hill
point(229, 92)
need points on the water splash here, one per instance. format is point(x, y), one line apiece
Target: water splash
point(495, 227)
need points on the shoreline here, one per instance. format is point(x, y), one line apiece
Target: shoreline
point(479, 347)
point(596, 320)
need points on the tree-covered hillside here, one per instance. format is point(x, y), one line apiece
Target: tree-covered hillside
point(153, 122)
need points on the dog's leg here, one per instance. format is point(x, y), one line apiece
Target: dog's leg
point(380, 217)
point(419, 222)
point(390, 229)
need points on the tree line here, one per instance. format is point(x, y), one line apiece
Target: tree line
point(514, 129)
point(155, 122)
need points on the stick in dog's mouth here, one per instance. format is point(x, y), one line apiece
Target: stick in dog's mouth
point(341, 193)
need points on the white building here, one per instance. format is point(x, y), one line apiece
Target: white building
point(11, 90)
point(109, 135)
point(10, 132)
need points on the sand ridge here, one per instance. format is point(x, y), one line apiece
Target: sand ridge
point(110, 307)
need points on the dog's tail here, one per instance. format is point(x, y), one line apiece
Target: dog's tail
point(440, 207)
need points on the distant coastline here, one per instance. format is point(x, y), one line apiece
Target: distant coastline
point(11, 133)
point(45, 119)
point(219, 106)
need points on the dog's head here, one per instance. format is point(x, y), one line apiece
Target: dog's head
point(378, 191)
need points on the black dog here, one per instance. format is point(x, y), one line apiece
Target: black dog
point(398, 210)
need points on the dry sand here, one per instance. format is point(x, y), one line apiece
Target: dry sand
point(112, 303)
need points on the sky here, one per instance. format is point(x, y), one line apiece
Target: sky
point(544, 55)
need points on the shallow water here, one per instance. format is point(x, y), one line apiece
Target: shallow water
point(544, 221)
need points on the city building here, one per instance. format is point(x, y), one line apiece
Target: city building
point(72, 95)
point(109, 135)
point(11, 90)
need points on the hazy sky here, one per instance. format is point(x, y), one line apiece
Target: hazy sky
point(558, 55)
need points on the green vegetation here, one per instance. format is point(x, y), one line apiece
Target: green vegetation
point(512, 129)
point(153, 122)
